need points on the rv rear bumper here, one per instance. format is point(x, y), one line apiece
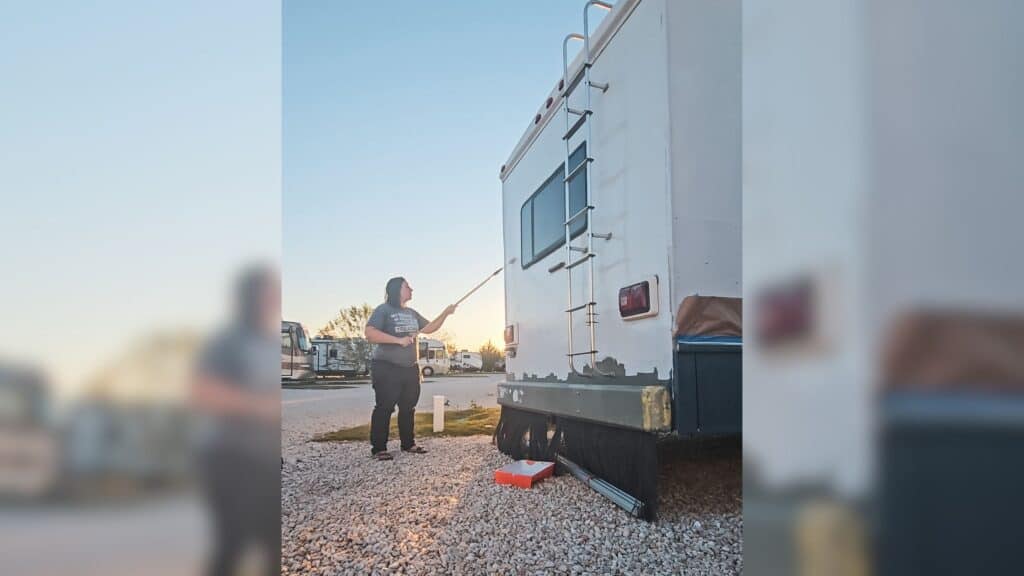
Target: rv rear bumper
point(646, 408)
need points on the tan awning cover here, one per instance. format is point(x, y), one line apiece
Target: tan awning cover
point(966, 351)
point(710, 316)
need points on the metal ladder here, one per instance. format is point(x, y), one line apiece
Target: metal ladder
point(571, 128)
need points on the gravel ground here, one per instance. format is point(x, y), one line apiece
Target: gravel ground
point(442, 513)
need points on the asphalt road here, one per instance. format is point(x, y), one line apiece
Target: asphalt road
point(163, 536)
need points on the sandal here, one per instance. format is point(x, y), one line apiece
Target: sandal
point(415, 449)
point(384, 455)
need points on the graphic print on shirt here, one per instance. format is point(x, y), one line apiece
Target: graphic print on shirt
point(405, 323)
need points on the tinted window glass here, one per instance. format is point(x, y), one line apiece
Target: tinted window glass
point(526, 217)
point(542, 217)
point(549, 216)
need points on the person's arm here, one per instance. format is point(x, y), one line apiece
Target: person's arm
point(375, 336)
point(436, 324)
point(210, 394)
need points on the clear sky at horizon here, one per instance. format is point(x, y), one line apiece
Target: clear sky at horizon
point(397, 118)
point(140, 163)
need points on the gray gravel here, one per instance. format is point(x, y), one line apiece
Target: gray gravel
point(442, 513)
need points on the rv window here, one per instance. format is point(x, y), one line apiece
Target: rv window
point(332, 353)
point(549, 216)
point(286, 343)
point(526, 217)
point(543, 215)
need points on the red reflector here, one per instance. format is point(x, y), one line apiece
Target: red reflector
point(786, 313)
point(635, 299)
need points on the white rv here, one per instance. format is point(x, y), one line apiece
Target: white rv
point(467, 361)
point(297, 354)
point(433, 357)
point(621, 200)
point(341, 356)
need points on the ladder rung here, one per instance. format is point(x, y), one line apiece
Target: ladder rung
point(575, 80)
point(582, 353)
point(577, 112)
point(578, 248)
point(582, 259)
point(580, 307)
point(577, 169)
point(578, 214)
point(577, 124)
point(556, 267)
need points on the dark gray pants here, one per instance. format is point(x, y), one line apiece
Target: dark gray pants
point(394, 385)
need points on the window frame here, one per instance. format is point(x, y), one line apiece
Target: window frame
point(537, 256)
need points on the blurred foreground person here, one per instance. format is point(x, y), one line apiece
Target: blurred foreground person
point(237, 392)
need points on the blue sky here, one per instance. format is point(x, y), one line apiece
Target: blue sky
point(397, 118)
point(139, 169)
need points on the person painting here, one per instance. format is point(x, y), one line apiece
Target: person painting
point(393, 327)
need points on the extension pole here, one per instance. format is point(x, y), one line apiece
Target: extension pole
point(477, 287)
point(628, 503)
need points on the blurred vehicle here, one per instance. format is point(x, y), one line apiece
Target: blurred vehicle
point(466, 361)
point(885, 374)
point(29, 443)
point(433, 357)
point(297, 354)
point(622, 203)
point(122, 448)
point(341, 356)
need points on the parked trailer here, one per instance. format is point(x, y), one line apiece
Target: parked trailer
point(341, 356)
point(297, 354)
point(433, 357)
point(621, 212)
point(467, 361)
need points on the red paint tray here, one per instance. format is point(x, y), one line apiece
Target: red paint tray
point(524, 473)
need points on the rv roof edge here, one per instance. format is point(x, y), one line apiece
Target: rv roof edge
point(599, 40)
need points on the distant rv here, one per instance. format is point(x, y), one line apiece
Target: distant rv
point(433, 357)
point(341, 356)
point(297, 354)
point(467, 361)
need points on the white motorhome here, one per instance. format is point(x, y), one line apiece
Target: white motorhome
point(621, 200)
point(30, 445)
point(433, 357)
point(297, 354)
point(887, 314)
point(467, 361)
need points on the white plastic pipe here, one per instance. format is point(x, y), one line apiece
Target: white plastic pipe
point(438, 413)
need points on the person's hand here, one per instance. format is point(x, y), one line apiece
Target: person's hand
point(449, 310)
point(405, 341)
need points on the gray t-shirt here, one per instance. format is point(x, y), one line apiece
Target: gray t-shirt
point(246, 360)
point(399, 322)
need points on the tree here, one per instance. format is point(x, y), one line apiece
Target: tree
point(490, 355)
point(351, 323)
point(448, 339)
point(348, 323)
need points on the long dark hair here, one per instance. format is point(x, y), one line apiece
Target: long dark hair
point(393, 291)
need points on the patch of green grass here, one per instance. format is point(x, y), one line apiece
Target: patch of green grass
point(469, 422)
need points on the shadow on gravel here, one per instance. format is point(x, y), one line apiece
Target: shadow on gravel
point(700, 478)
